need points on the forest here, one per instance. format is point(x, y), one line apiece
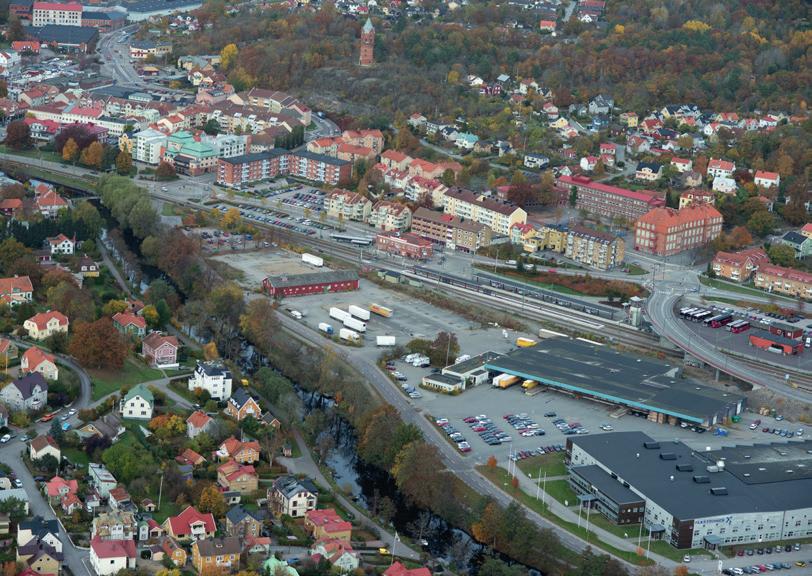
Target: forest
point(727, 55)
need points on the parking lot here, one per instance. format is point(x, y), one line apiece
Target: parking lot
point(739, 343)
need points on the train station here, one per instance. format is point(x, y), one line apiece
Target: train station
point(643, 386)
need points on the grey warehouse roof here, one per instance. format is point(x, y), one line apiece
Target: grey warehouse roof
point(330, 277)
point(615, 377)
point(660, 480)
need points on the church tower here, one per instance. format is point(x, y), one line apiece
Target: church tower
point(367, 57)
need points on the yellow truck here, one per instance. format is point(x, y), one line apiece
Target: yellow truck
point(528, 384)
point(504, 381)
point(380, 310)
point(525, 342)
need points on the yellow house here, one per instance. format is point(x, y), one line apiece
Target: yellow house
point(552, 237)
point(41, 326)
point(560, 123)
point(126, 143)
point(629, 119)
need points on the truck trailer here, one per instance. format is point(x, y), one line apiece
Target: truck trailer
point(339, 314)
point(312, 259)
point(326, 328)
point(355, 324)
point(380, 310)
point(349, 335)
point(360, 313)
point(504, 381)
point(385, 340)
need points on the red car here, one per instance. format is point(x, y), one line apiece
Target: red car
point(478, 428)
point(469, 420)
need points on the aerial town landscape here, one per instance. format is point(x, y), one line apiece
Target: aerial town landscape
point(405, 288)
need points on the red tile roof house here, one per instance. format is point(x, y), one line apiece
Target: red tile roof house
point(197, 423)
point(327, 524)
point(70, 503)
point(57, 487)
point(160, 350)
point(189, 456)
point(398, 569)
point(61, 244)
point(107, 557)
point(35, 360)
point(130, 324)
point(190, 525)
point(242, 452)
point(16, 290)
point(50, 203)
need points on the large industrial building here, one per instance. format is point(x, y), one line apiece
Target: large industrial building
point(692, 499)
point(321, 282)
point(644, 386)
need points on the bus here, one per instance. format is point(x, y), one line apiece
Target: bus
point(701, 316)
point(683, 313)
point(721, 320)
point(740, 326)
point(691, 315)
point(359, 240)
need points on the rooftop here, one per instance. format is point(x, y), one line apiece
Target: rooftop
point(632, 381)
point(312, 278)
point(779, 474)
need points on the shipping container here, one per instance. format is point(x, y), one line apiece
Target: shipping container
point(349, 335)
point(380, 310)
point(385, 340)
point(358, 312)
point(311, 259)
point(355, 324)
point(326, 328)
point(525, 342)
point(339, 314)
point(504, 381)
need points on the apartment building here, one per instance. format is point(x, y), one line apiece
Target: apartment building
point(408, 245)
point(787, 281)
point(738, 266)
point(390, 216)
point(665, 231)
point(610, 201)
point(496, 215)
point(149, 145)
point(595, 249)
point(347, 205)
point(241, 170)
point(44, 13)
point(452, 231)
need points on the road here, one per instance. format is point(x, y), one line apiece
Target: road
point(307, 466)
point(462, 467)
point(660, 309)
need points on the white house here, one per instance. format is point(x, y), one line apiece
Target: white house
point(35, 360)
point(9, 59)
point(292, 497)
point(724, 185)
point(138, 403)
point(214, 378)
point(682, 165)
point(27, 393)
point(148, 146)
point(45, 324)
point(44, 446)
point(536, 160)
point(61, 244)
point(107, 557)
point(765, 179)
point(717, 167)
point(100, 478)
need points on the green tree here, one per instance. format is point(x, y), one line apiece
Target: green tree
point(782, 255)
point(761, 223)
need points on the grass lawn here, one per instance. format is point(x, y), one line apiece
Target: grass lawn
point(547, 285)
point(108, 381)
point(168, 508)
point(663, 548)
point(499, 477)
point(731, 287)
point(635, 270)
point(552, 464)
point(561, 491)
point(76, 456)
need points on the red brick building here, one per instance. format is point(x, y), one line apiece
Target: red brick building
point(767, 341)
point(367, 56)
point(404, 244)
point(248, 168)
point(665, 231)
point(312, 283)
point(610, 201)
point(738, 266)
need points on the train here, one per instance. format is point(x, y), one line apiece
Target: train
point(483, 282)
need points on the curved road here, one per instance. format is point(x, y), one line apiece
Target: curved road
point(660, 308)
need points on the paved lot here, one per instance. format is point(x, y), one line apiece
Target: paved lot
point(740, 343)
point(495, 403)
point(259, 264)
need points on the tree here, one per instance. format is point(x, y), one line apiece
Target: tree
point(782, 255)
point(444, 349)
point(124, 163)
point(98, 344)
point(212, 501)
point(761, 223)
point(231, 219)
point(93, 155)
point(113, 307)
point(18, 135)
point(128, 461)
point(165, 171)
point(228, 55)
point(212, 127)
point(70, 150)
point(491, 461)
point(150, 314)
point(12, 251)
point(15, 30)
point(210, 351)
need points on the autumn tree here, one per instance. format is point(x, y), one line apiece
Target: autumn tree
point(231, 219)
point(98, 344)
point(782, 255)
point(18, 135)
point(112, 307)
point(93, 155)
point(70, 150)
point(15, 30)
point(210, 351)
point(124, 163)
point(165, 171)
point(228, 55)
point(212, 501)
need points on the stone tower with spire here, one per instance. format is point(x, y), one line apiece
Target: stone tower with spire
point(367, 57)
